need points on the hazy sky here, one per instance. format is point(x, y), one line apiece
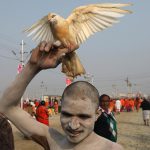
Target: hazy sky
point(110, 56)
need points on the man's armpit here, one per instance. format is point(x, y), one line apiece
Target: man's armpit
point(41, 140)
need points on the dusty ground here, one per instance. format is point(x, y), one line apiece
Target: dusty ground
point(132, 134)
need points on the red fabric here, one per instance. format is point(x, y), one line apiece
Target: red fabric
point(68, 81)
point(19, 69)
point(122, 102)
point(126, 103)
point(138, 104)
point(47, 103)
point(36, 103)
point(131, 104)
point(111, 105)
point(42, 115)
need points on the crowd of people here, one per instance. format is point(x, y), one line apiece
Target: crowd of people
point(115, 105)
point(106, 125)
point(41, 110)
point(125, 104)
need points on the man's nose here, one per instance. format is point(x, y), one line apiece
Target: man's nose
point(74, 124)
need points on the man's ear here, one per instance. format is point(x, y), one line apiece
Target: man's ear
point(98, 113)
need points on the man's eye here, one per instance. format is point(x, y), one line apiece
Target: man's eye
point(66, 114)
point(84, 116)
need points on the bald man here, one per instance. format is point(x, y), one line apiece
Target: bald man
point(78, 112)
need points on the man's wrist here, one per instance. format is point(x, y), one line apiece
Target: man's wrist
point(33, 68)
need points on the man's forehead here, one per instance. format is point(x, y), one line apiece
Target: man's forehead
point(77, 96)
point(76, 100)
point(77, 105)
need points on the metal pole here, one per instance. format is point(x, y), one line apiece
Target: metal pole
point(42, 88)
point(22, 52)
point(22, 63)
point(89, 78)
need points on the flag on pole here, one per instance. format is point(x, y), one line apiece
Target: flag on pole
point(19, 69)
point(68, 81)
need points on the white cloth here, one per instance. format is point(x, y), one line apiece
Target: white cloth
point(118, 105)
point(146, 114)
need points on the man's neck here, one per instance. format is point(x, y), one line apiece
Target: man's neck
point(66, 144)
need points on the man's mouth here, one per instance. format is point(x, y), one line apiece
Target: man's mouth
point(73, 133)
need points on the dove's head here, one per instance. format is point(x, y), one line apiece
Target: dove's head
point(53, 18)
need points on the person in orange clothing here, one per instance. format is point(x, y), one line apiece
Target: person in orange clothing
point(50, 112)
point(137, 103)
point(47, 103)
point(122, 104)
point(42, 113)
point(132, 104)
point(127, 104)
point(111, 105)
point(114, 101)
point(36, 102)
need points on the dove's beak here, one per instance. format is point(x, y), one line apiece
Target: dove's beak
point(53, 21)
point(49, 17)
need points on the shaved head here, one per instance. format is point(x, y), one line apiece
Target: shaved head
point(82, 90)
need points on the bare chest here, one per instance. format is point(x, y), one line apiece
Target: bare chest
point(56, 146)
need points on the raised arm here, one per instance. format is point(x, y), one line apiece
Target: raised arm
point(44, 56)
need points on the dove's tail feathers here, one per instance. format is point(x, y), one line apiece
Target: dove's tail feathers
point(72, 66)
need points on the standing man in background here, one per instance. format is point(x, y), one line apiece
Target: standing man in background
point(145, 105)
point(106, 125)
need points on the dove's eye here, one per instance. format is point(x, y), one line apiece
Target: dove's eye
point(53, 16)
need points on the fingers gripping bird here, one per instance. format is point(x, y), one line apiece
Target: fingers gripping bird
point(71, 32)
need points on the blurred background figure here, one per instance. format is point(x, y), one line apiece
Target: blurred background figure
point(145, 105)
point(137, 103)
point(122, 104)
point(29, 107)
point(42, 114)
point(118, 106)
point(56, 107)
point(106, 125)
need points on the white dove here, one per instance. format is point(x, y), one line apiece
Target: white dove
point(71, 32)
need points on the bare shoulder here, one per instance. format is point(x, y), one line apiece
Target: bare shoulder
point(106, 144)
point(112, 145)
point(54, 138)
point(55, 135)
point(116, 146)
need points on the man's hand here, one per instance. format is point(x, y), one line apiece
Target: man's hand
point(46, 56)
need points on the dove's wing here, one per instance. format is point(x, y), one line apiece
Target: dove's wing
point(41, 31)
point(86, 20)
